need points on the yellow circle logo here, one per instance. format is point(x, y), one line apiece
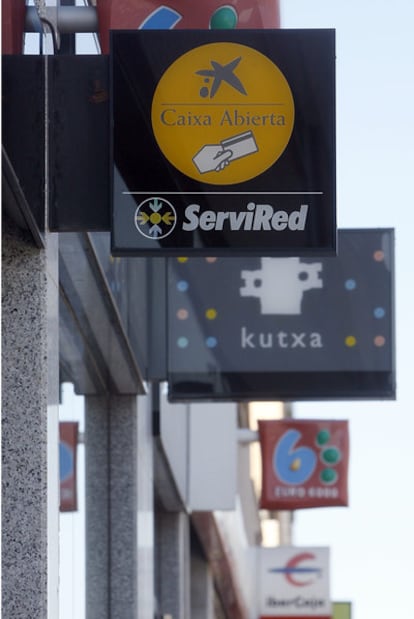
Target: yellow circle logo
point(222, 113)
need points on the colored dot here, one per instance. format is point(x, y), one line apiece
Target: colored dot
point(350, 284)
point(379, 340)
point(204, 92)
point(223, 18)
point(182, 259)
point(182, 314)
point(350, 341)
point(155, 218)
point(211, 260)
point(323, 437)
point(182, 342)
point(295, 465)
point(328, 476)
point(211, 313)
point(182, 285)
point(331, 455)
point(211, 342)
point(379, 255)
point(379, 312)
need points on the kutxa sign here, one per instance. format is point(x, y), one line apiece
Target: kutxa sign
point(284, 328)
point(223, 142)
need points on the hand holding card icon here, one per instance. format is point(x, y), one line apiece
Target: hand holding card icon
point(218, 156)
point(212, 157)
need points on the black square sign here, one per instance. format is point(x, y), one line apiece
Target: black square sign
point(284, 328)
point(223, 142)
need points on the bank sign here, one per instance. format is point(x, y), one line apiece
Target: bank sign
point(284, 328)
point(223, 142)
point(294, 582)
point(304, 463)
point(68, 443)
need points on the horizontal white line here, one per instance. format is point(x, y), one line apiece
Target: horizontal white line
point(223, 193)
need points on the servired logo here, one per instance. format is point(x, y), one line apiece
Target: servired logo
point(299, 570)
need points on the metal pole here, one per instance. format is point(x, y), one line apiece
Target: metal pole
point(246, 436)
point(70, 19)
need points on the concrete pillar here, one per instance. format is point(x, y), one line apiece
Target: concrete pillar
point(173, 563)
point(119, 508)
point(97, 507)
point(146, 559)
point(30, 396)
point(123, 507)
point(202, 588)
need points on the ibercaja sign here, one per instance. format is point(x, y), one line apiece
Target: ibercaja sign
point(284, 328)
point(223, 142)
point(294, 582)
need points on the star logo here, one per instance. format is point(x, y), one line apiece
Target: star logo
point(221, 73)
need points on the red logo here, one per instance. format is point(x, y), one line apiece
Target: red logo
point(296, 568)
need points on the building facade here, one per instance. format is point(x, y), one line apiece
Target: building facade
point(171, 510)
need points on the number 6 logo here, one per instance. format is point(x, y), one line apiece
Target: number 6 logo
point(293, 466)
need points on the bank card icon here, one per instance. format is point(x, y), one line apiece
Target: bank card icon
point(217, 156)
point(240, 145)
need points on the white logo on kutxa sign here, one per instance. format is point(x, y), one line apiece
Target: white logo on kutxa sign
point(281, 283)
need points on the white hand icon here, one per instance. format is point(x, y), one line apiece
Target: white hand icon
point(212, 157)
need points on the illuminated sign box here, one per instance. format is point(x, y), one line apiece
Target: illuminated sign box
point(284, 328)
point(294, 582)
point(223, 142)
point(68, 443)
point(304, 463)
point(341, 610)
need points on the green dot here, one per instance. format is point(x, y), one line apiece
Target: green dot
point(224, 18)
point(331, 455)
point(323, 437)
point(328, 476)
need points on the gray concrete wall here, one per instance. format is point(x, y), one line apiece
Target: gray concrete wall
point(30, 469)
point(97, 507)
point(202, 588)
point(119, 508)
point(173, 563)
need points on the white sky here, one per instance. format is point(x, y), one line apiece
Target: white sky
point(372, 541)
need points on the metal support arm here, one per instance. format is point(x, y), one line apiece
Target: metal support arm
point(70, 19)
